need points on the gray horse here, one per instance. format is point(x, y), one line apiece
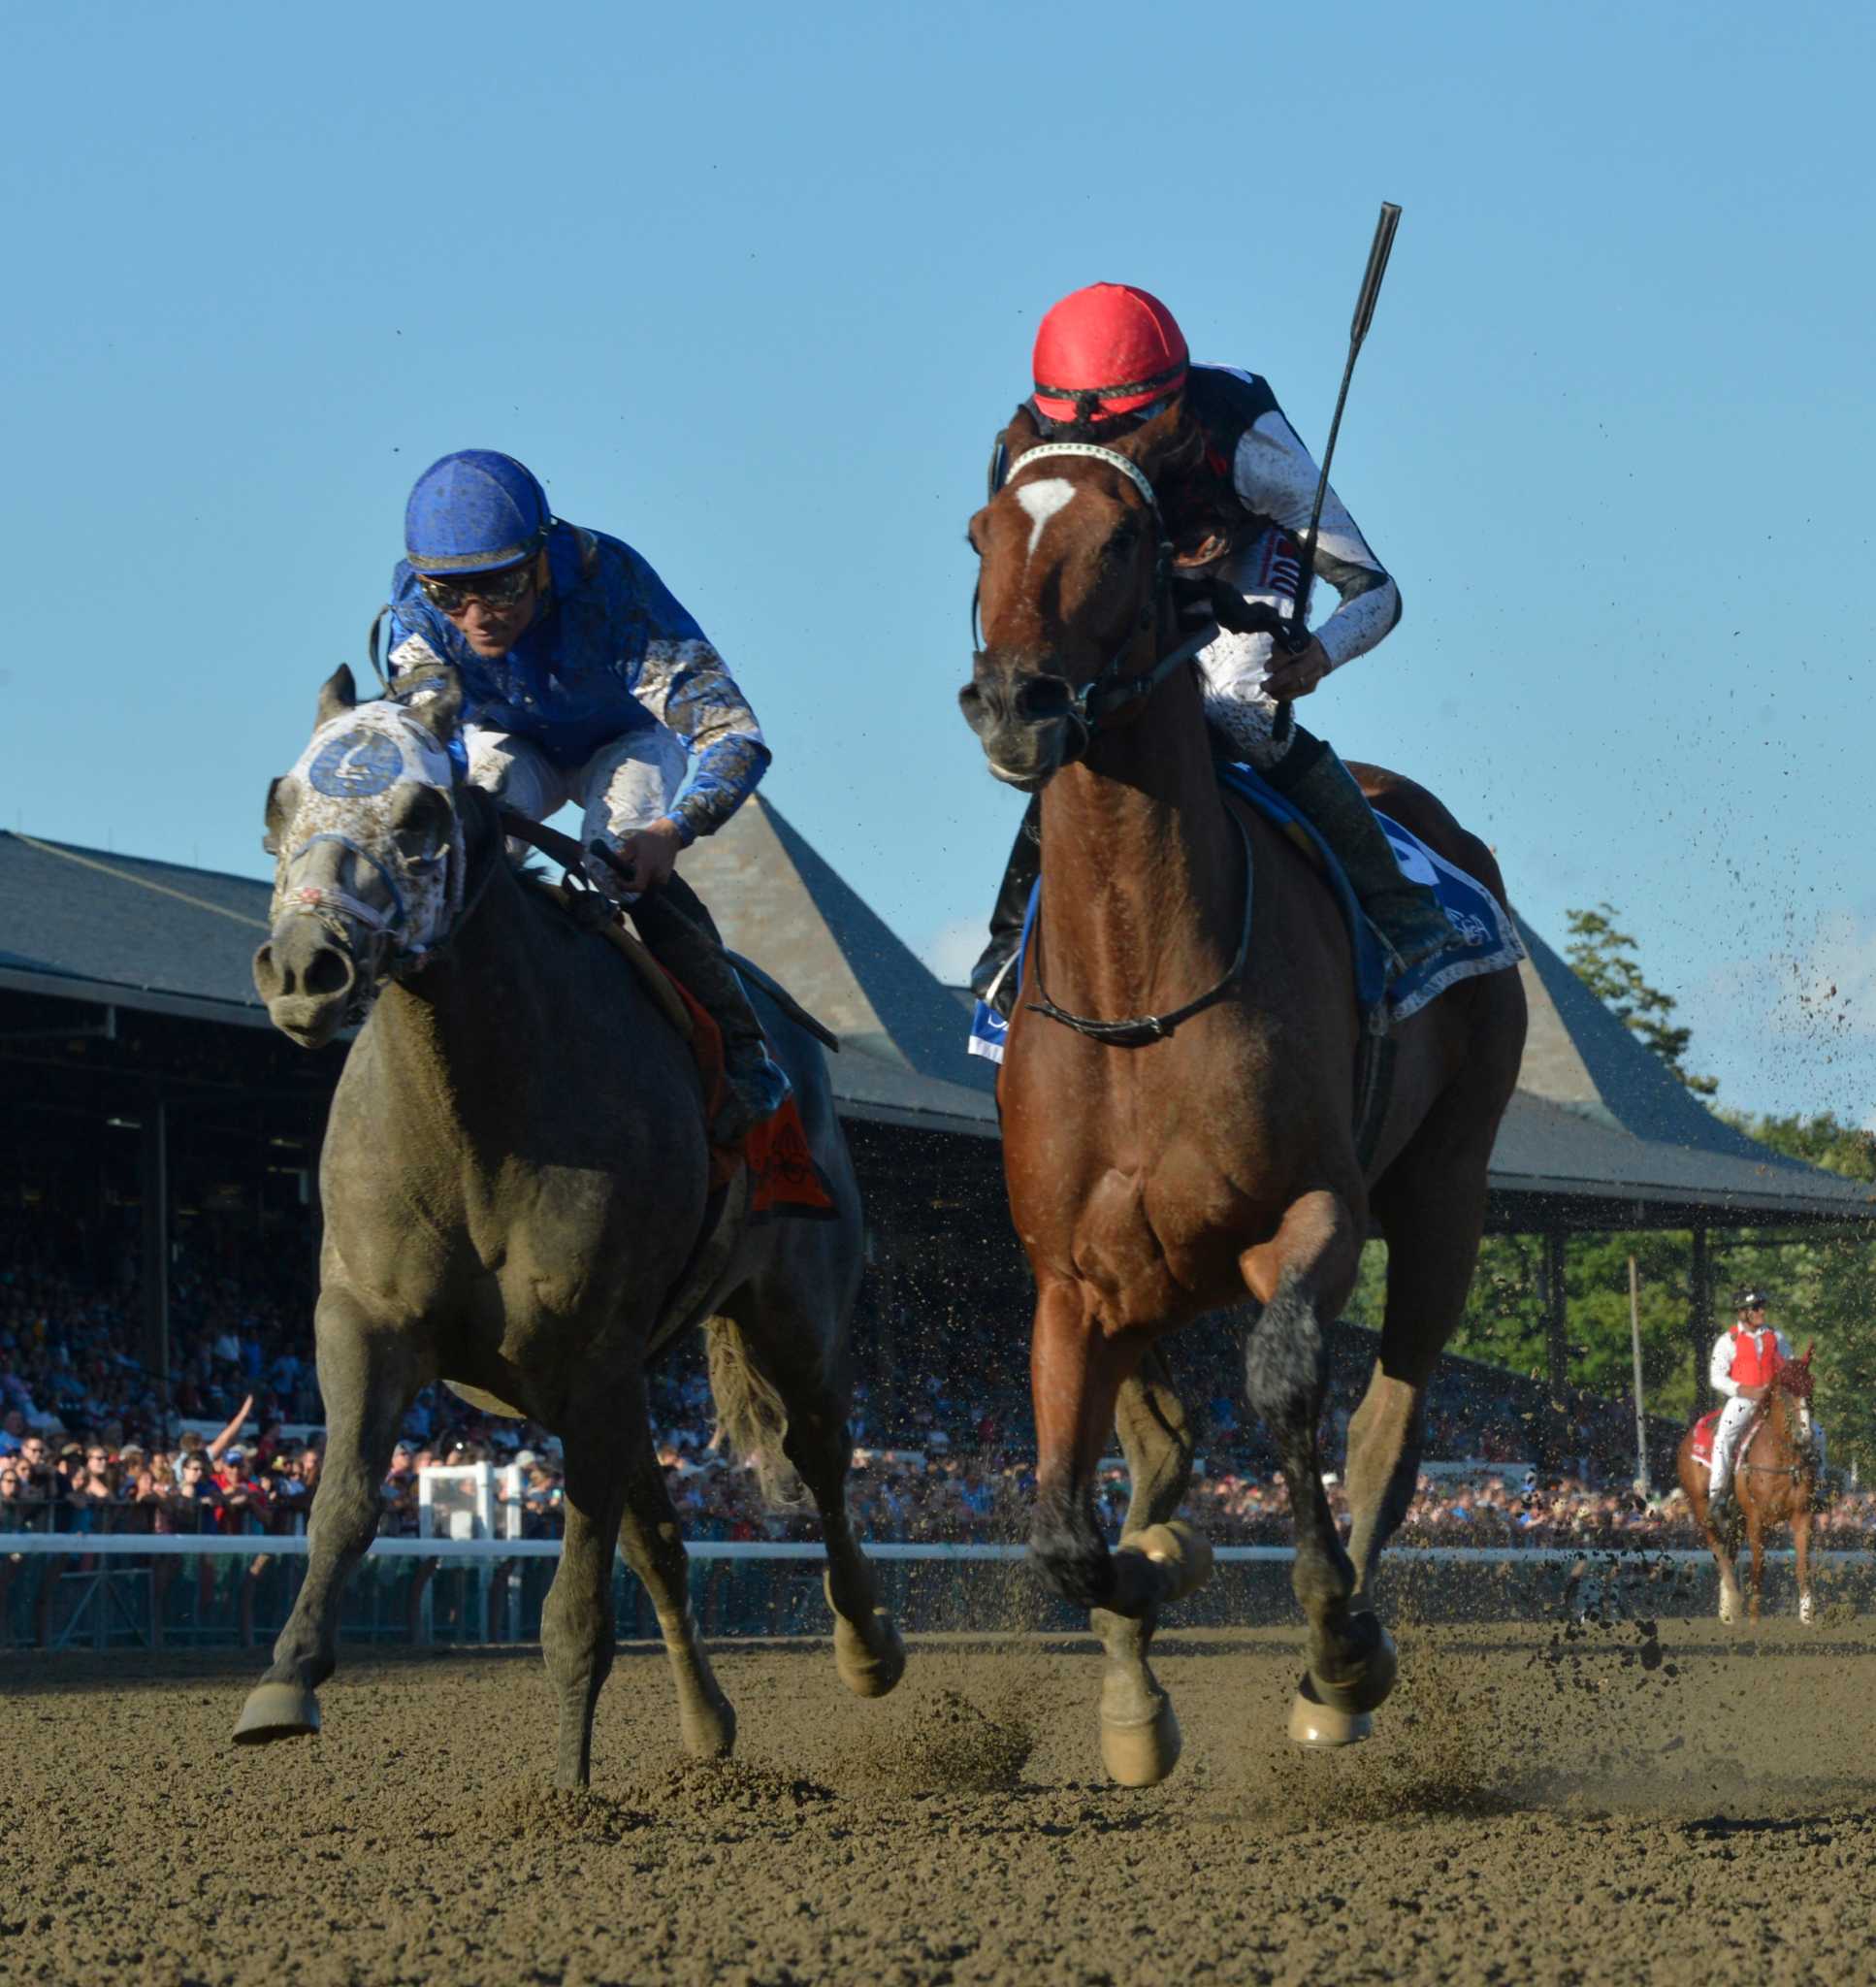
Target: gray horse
point(515, 1191)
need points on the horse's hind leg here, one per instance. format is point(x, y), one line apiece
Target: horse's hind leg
point(766, 1343)
point(1802, 1539)
point(653, 1543)
point(1433, 1214)
point(1306, 1268)
point(368, 1377)
point(1756, 1539)
point(1140, 1737)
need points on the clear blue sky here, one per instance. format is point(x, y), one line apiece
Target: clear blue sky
point(753, 288)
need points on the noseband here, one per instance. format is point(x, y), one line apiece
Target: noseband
point(392, 949)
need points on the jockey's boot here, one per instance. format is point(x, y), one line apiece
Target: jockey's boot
point(1406, 915)
point(989, 979)
point(683, 937)
point(1720, 1509)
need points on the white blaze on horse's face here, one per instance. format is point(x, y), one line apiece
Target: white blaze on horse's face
point(1043, 499)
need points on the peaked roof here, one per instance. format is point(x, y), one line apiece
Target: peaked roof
point(777, 899)
point(95, 925)
point(1600, 1133)
point(1599, 1117)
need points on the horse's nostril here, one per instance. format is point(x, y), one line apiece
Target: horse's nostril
point(266, 976)
point(1043, 698)
point(327, 972)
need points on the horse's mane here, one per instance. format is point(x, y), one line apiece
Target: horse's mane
point(1795, 1379)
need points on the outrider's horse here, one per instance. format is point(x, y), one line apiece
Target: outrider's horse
point(1159, 1175)
point(1775, 1482)
point(514, 1182)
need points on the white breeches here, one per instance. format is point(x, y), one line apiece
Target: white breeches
point(1727, 1436)
point(624, 787)
point(1232, 667)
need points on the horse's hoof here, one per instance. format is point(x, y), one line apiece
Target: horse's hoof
point(1729, 1608)
point(869, 1668)
point(1323, 1726)
point(1141, 1755)
point(1804, 1614)
point(708, 1732)
point(276, 1711)
point(1369, 1687)
point(1185, 1553)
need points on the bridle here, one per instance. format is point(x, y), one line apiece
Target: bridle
point(1107, 698)
point(393, 950)
point(1110, 694)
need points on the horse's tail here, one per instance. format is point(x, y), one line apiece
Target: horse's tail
point(751, 1414)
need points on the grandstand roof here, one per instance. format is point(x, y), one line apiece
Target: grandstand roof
point(1600, 1133)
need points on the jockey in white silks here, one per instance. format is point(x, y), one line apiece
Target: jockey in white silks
point(1746, 1358)
point(1110, 357)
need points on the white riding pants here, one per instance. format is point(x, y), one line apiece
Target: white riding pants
point(625, 786)
point(1734, 1418)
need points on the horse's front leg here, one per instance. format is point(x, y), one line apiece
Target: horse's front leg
point(1730, 1601)
point(577, 1635)
point(1306, 1268)
point(1140, 1737)
point(1076, 1372)
point(648, 1533)
point(1801, 1538)
point(368, 1374)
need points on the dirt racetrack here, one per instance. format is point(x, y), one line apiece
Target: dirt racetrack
point(1537, 1805)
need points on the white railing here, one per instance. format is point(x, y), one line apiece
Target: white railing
point(171, 1544)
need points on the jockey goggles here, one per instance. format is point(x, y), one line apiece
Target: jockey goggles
point(504, 589)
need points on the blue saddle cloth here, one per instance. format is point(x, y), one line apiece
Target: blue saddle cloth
point(1485, 939)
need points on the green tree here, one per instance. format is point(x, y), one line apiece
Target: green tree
point(1823, 1280)
point(1604, 959)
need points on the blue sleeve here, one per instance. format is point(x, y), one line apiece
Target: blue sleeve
point(686, 684)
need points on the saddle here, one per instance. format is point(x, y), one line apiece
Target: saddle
point(782, 1176)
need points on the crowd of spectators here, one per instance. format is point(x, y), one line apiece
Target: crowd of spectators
point(945, 1443)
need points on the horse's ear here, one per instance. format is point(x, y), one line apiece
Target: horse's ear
point(1021, 432)
point(337, 695)
point(435, 698)
point(1806, 1360)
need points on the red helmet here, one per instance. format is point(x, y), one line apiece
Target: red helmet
point(1107, 350)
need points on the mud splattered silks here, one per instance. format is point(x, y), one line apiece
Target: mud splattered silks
point(345, 864)
point(610, 651)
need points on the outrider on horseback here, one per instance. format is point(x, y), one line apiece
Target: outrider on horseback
point(548, 1154)
point(1758, 1460)
point(1253, 1020)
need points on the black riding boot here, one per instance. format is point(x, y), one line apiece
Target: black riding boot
point(1407, 914)
point(682, 936)
point(989, 979)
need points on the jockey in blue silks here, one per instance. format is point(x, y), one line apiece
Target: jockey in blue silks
point(586, 681)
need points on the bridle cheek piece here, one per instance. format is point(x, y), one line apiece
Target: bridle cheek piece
point(1106, 698)
point(1110, 694)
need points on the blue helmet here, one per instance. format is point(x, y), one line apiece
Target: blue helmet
point(474, 512)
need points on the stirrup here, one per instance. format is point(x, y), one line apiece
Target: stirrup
point(993, 980)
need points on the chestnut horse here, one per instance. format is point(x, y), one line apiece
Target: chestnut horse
point(1165, 1171)
point(1775, 1482)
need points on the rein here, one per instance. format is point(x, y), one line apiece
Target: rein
point(1103, 699)
point(1140, 1029)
